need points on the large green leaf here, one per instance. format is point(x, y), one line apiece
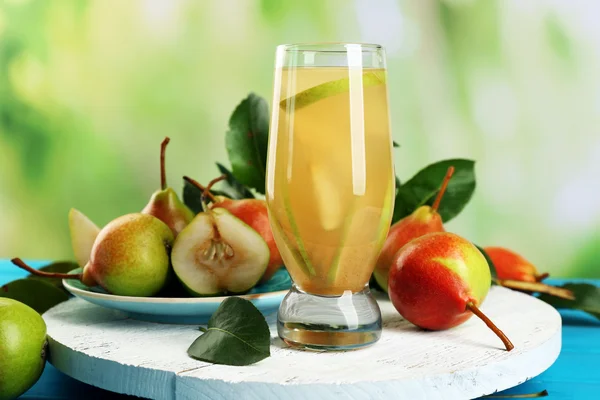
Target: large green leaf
point(587, 298)
point(247, 141)
point(37, 294)
point(422, 189)
point(237, 334)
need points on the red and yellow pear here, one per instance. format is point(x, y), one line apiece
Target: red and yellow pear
point(515, 272)
point(423, 220)
point(510, 265)
point(439, 280)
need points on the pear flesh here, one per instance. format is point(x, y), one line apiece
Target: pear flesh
point(254, 213)
point(83, 235)
point(218, 253)
point(22, 348)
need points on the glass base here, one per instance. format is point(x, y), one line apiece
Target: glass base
point(313, 322)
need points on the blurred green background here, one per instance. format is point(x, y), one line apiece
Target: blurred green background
point(88, 89)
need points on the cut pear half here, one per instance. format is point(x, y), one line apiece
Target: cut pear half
point(83, 235)
point(331, 88)
point(218, 253)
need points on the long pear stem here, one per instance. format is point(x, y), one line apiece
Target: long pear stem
point(537, 287)
point(19, 263)
point(163, 175)
point(438, 199)
point(201, 187)
point(207, 191)
point(473, 308)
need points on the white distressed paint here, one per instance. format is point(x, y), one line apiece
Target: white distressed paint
point(104, 348)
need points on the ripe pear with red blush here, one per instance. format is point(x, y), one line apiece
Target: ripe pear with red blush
point(422, 221)
point(165, 204)
point(439, 280)
point(515, 272)
point(130, 257)
point(510, 265)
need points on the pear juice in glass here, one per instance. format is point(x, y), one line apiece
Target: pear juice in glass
point(330, 189)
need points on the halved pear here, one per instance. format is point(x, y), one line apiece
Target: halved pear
point(83, 234)
point(218, 253)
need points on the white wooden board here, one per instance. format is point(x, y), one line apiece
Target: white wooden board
point(106, 349)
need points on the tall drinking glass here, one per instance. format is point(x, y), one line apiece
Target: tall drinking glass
point(330, 189)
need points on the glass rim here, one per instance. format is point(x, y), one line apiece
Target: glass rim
point(327, 47)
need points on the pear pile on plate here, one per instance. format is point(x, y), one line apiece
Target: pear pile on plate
point(226, 249)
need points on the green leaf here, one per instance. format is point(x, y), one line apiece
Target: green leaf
point(247, 140)
point(61, 267)
point(398, 184)
point(37, 294)
point(395, 144)
point(587, 298)
point(490, 263)
point(192, 196)
point(232, 187)
point(237, 334)
point(422, 189)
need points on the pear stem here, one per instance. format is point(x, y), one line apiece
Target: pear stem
point(163, 175)
point(473, 308)
point(19, 263)
point(201, 187)
point(207, 190)
point(211, 183)
point(438, 199)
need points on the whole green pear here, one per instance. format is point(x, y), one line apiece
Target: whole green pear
point(22, 348)
point(130, 256)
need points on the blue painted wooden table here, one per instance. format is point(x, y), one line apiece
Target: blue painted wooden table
point(575, 375)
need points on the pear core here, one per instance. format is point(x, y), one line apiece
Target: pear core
point(218, 253)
